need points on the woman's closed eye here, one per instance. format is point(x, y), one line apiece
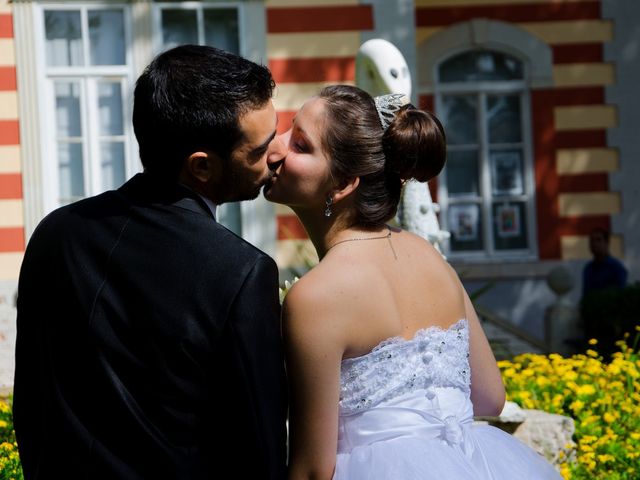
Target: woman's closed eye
point(299, 145)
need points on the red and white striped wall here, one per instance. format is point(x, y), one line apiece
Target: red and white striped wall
point(12, 240)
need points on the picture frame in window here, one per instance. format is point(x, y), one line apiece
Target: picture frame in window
point(508, 219)
point(463, 221)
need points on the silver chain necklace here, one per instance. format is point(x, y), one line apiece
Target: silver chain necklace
point(357, 239)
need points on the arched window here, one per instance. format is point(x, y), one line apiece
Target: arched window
point(486, 189)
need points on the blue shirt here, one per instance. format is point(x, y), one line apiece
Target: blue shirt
point(598, 275)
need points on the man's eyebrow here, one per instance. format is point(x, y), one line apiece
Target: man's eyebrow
point(265, 144)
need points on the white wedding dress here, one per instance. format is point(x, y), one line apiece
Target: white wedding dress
point(406, 413)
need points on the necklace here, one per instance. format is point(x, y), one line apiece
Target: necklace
point(358, 239)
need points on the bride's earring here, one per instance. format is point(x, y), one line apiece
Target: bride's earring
point(329, 202)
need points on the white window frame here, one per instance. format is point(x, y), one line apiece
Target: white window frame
point(199, 7)
point(504, 37)
point(480, 90)
point(88, 76)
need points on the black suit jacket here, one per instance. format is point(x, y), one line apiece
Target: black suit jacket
point(148, 344)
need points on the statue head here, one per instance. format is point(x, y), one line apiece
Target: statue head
point(381, 69)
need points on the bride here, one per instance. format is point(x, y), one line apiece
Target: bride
point(386, 358)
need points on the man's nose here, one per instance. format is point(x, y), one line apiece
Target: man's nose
point(278, 150)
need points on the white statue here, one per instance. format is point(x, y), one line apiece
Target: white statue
point(382, 69)
point(417, 213)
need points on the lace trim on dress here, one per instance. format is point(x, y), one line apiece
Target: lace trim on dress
point(433, 357)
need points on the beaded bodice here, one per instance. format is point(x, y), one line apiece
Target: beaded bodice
point(434, 357)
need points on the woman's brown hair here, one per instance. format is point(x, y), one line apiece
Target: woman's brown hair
point(412, 147)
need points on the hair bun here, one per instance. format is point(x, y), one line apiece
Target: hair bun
point(414, 145)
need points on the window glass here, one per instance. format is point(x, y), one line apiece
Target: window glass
point(221, 28)
point(106, 37)
point(70, 172)
point(110, 108)
point(67, 100)
point(462, 173)
point(112, 164)
point(507, 177)
point(179, 27)
point(479, 65)
point(459, 114)
point(63, 38)
point(504, 117)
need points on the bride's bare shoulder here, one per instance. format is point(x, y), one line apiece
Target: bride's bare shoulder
point(323, 293)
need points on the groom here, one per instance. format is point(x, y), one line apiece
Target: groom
point(148, 334)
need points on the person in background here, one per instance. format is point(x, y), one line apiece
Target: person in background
point(603, 271)
point(601, 277)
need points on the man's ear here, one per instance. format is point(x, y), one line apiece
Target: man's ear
point(201, 166)
point(345, 189)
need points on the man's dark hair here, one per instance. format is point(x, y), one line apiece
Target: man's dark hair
point(190, 98)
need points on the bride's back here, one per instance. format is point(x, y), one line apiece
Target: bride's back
point(387, 288)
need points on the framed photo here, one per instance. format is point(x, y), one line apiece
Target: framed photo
point(506, 172)
point(508, 218)
point(463, 220)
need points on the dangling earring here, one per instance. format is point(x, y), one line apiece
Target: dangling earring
point(329, 202)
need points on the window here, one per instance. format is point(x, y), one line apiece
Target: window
point(86, 92)
point(197, 23)
point(216, 25)
point(486, 190)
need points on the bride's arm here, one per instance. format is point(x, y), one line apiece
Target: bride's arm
point(487, 389)
point(313, 354)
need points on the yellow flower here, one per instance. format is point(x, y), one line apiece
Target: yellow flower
point(576, 406)
point(527, 372)
point(609, 417)
point(613, 369)
point(542, 381)
point(593, 341)
point(585, 390)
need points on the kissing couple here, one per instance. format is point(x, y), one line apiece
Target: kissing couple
point(151, 343)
